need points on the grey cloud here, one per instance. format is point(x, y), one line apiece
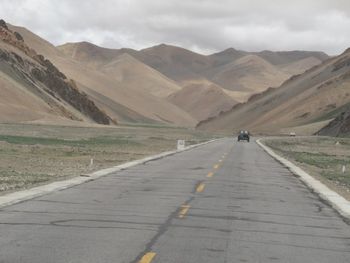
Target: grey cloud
point(201, 25)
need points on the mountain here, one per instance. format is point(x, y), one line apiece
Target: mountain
point(168, 84)
point(202, 100)
point(33, 89)
point(340, 126)
point(249, 73)
point(238, 73)
point(314, 96)
point(129, 71)
point(120, 100)
point(286, 57)
point(174, 62)
point(89, 54)
point(300, 66)
point(227, 56)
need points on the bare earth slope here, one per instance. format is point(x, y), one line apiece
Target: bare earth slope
point(122, 66)
point(238, 74)
point(286, 57)
point(33, 89)
point(202, 101)
point(340, 126)
point(123, 103)
point(313, 96)
point(249, 73)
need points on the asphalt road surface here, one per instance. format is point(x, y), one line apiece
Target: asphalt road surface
point(222, 202)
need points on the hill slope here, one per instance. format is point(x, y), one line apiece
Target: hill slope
point(238, 73)
point(249, 73)
point(33, 89)
point(340, 126)
point(120, 101)
point(202, 100)
point(313, 96)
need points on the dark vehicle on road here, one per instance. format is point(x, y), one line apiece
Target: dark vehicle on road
point(244, 136)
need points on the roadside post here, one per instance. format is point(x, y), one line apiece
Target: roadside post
point(180, 144)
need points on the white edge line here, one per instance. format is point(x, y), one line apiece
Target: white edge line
point(339, 203)
point(20, 196)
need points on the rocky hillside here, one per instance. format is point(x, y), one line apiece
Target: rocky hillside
point(314, 97)
point(340, 126)
point(233, 74)
point(31, 72)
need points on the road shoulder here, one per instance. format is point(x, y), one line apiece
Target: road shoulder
point(339, 203)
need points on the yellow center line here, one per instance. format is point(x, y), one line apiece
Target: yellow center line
point(200, 188)
point(184, 210)
point(210, 174)
point(148, 257)
point(216, 166)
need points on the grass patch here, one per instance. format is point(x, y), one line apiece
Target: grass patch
point(23, 140)
point(32, 154)
point(320, 160)
point(322, 155)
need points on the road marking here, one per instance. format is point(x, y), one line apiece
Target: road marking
point(210, 174)
point(216, 166)
point(200, 188)
point(220, 161)
point(148, 257)
point(184, 210)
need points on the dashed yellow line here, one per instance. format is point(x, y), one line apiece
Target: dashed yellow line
point(148, 257)
point(209, 175)
point(200, 188)
point(184, 210)
point(216, 166)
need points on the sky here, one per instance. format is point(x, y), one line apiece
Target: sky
point(204, 26)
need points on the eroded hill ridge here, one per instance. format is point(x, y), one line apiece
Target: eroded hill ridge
point(44, 80)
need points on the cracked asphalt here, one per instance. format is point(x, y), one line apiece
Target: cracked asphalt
point(222, 202)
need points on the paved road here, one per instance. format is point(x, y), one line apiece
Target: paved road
point(187, 208)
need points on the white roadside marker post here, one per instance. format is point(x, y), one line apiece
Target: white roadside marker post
point(91, 162)
point(344, 169)
point(180, 144)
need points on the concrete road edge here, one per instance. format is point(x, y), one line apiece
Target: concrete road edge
point(339, 203)
point(20, 196)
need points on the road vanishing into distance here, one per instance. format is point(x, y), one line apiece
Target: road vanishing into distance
point(221, 202)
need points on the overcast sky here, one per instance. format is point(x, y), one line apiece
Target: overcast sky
point(201, 25)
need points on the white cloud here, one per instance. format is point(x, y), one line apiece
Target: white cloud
point(201, 25)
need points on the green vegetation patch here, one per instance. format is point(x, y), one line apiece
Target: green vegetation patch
point(320, 160)
point(104, 140)
point(325, 155)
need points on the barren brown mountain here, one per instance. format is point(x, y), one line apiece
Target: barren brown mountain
point(202, 100)
point(33, 89)
point(315, 96)
point(250, 74)
point(169, 84)
point(179, 64)
point(340, 126)
point(300, 66)
point(123, 102)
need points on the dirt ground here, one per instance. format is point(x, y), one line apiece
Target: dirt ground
point(321, 157)
point(31, 155)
